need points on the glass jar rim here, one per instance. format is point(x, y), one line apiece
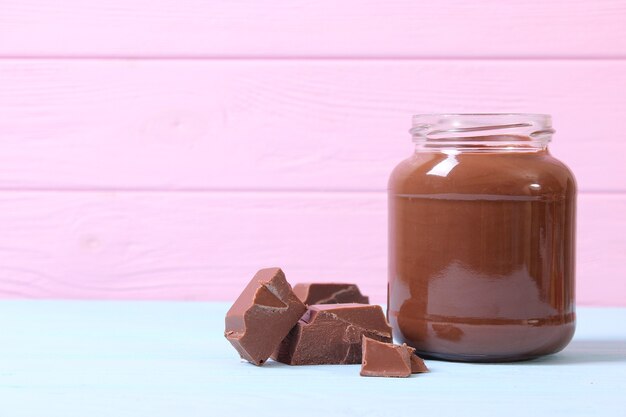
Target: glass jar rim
point(537, 116)
point(471, 126)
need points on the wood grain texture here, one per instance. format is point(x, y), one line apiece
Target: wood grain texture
point(300, 28)
point(207, 245)
point(281, 125)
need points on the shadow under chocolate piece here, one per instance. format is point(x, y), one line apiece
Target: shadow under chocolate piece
point(262, 315)
point(331, 293)
point(389, 360)
point(332, 333)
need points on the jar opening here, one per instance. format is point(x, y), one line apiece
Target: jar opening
point(511, 131)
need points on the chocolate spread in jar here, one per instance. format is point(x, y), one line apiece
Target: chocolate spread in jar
point(481, 251)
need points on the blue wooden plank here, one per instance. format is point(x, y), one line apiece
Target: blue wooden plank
point(158, 359)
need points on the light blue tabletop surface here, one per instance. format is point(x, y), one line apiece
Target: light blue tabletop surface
point(92, 359)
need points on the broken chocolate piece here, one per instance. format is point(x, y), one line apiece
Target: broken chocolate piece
point(389, 360)
point(385, 359)
point(332, 333)
point(417, 364)
point(262, 315)
point(322, 293)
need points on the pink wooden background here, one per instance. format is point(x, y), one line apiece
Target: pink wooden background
point(167, 150)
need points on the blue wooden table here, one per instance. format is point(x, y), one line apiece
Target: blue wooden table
point(156, 359)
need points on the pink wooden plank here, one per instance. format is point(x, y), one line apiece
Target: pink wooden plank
point(313, 125)
point(206, 245)
point(183, 245)
point(250, 28)
point(601, 239)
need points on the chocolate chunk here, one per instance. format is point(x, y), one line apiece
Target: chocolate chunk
point(322, 293)
point(389, 360)
point(417, 364)
point(332, 333)
point(262, 315)
point(385, 359)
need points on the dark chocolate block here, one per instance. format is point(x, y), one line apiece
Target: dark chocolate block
point(332, 333)
point(389, 360)
point(322, 293)
point(263, 315)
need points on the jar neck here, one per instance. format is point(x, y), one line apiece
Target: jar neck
point(482, 132)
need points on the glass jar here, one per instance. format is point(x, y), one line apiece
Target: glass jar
point(482, 240)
